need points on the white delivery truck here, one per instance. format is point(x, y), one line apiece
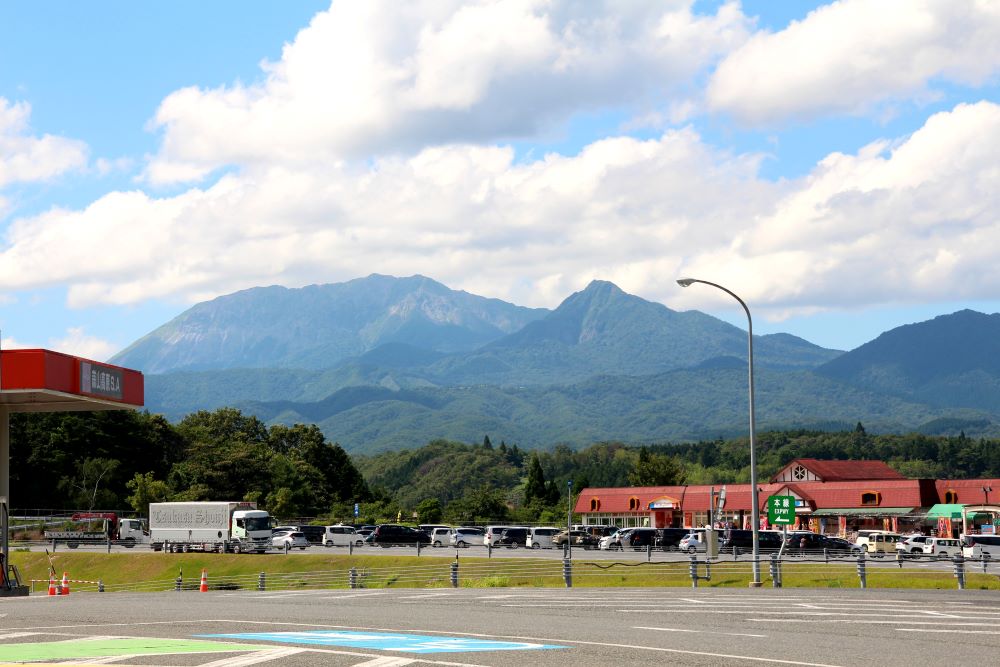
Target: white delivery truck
point(238, 527)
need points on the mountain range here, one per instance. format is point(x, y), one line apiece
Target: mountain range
point(384, 363)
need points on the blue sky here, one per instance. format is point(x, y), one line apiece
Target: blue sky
point(834, 163)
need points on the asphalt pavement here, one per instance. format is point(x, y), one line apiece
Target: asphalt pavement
point(506, 627)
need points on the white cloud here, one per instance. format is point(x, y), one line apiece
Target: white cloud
point(852, 55)
point(383, 77)
point(75, 342)
point(78, 343)
point(25, 158)
point(906, 220)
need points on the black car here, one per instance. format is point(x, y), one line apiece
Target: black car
point(390, 534)
point(512, 538)
point(813, 545)
point(669, 538)
point(314, 534)
point(769, 540)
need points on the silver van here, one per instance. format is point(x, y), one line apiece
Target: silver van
point(441, 537)
point(540, 537)
point(341, 536)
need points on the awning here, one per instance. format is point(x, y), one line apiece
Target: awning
point(865, 511)
point(945, 511)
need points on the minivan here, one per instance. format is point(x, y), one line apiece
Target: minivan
point(512, 537)
point(441, 537)
point(313, 533)
point(540, 537)
point(390, 534)
point(341, 536)
point(492, 535)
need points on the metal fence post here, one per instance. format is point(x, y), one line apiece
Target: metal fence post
point(985, 560)
point(350, 547)
point(899, 559)
point(568, 572)
point(100, 585)
point(178, 583)
point(489, 550)
point(693, 568)
point(109, 545)
point(826, 555)
point(286, 547)
point(736, 554)
point(454, 573)
point(352, 578)
point(418, 548)
point(959, 561)
point(775, 572)
point(262, 582)
point(862, 574)
point(649, 552)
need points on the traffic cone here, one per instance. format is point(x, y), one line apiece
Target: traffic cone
point(52, 584)
point(65, 584)
point(204, 582)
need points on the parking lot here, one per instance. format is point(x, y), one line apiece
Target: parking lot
point(501, 627)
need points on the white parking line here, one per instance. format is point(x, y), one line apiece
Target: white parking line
point(703, 632)
point(386, 662)
point(255, 657)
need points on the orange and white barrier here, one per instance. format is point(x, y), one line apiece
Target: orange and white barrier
point(204, 582)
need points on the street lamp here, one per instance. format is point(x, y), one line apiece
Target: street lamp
point(755, 510)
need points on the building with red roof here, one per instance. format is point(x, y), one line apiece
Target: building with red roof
point(832, 497)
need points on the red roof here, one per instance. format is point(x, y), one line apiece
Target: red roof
point(824, 495)
point(839, 471)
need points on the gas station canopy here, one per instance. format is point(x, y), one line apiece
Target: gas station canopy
point(46, 381)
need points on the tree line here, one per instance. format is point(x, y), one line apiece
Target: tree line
point(122, 460)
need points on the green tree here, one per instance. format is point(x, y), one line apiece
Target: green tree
point(429, 510)
point(146, 489)
point(656, 470)
point(534, 488)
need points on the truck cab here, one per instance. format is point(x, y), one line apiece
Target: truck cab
point(251, 530)
point(132, 532)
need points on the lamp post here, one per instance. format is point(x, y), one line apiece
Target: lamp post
point(569, 518)
point(755, 510)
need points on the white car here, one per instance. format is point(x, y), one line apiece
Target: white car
point(464, 537)
point(342, 536)
point(292, 538)
point(612, 542)
point(691, 543)
point(441, 537)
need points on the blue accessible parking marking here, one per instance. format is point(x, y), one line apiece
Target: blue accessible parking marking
point(387, 641)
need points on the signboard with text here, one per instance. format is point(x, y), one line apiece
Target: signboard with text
point(781, 510)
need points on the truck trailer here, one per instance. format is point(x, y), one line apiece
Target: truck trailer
point(226, 526)
point(99, 527)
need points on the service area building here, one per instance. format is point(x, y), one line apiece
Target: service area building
point(831, 497)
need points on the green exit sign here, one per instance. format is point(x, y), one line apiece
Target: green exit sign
point(781, 510)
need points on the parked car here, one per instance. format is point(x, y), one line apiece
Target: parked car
point(292, 538)
point(390, 534)
point(341, 536)
point(576, 538)
point(314, 534)
point(464, 536)
point(877, 544)
point(540, 537)
point(942, 547)
point(693, 541)
point(768, 540)
point(430, 527)
point(912, 545)
point(814, 544)
point(639, 538)
point(492, 535)
point(670, 537)
point(441, 536)
point(282, 529)
point(513, 537)
point(610, 542)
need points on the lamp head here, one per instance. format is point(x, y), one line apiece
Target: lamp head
point(686, 282)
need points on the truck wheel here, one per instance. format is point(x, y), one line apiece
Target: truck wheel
point(186, 548)
point(129, 542)
point(237, 549)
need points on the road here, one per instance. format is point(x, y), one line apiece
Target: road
point(507, 627)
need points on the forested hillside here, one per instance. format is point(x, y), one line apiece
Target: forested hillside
point(118, 460)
